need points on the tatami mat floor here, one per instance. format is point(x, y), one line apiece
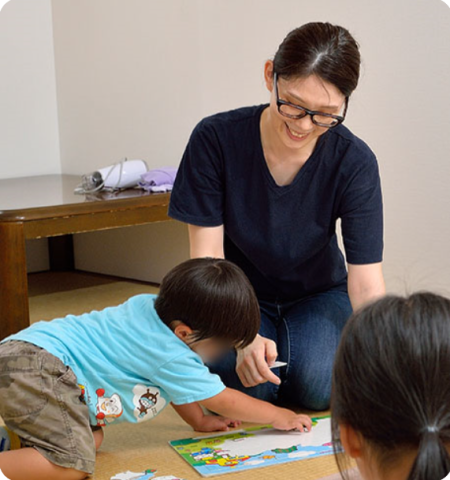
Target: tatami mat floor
point(139, 447)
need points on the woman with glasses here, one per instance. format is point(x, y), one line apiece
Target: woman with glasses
point(264, 186)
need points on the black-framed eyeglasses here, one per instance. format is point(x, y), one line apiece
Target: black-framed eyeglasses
point(296, 112)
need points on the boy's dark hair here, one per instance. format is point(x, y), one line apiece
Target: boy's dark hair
point(213, 297)
point(391, 382)
point(322, 49)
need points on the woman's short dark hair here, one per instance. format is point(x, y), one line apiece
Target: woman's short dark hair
point(213, 297)
point(321, 49)
point(391, 382)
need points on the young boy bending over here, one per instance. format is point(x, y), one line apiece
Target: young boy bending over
point(62, 381)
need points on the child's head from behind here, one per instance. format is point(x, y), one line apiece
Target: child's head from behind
point(210, 304)
point(391, 389)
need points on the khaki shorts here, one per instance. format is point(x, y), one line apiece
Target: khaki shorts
point(40, 401)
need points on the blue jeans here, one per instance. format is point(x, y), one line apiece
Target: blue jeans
point(307, 333)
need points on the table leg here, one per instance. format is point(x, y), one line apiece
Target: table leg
point(14, 312)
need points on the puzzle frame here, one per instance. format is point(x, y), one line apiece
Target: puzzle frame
point(254, 447)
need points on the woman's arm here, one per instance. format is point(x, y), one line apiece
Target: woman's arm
point(206, 241)
point(252, 362)
point(365, 283)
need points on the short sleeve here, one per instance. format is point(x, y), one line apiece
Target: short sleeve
point(361, 213)
point(198, 192)
point(186, 379)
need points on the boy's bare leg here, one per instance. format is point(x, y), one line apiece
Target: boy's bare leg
point(98, 437)
point(27, 463)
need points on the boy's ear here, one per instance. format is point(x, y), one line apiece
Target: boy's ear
point(182, 331)
point(351, 441)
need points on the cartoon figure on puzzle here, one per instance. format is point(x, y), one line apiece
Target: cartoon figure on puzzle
point(217, 457)
point(108, 408)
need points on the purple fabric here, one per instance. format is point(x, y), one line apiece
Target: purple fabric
point(159, 176)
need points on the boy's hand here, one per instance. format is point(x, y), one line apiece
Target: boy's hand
point(213, 423)
point(287, 420)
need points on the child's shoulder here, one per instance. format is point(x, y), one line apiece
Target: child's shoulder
point(143, 300)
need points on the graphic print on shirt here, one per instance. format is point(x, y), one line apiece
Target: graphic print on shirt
point(108, 408)
point(148, 402)
point(83, 394)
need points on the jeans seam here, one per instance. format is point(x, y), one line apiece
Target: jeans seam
point(288, 360)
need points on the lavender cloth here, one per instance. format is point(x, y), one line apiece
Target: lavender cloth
point(158, 180)
point(159, 176)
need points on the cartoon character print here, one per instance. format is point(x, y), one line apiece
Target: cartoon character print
point(147, 401)
point(108, 408)
point(82, 393)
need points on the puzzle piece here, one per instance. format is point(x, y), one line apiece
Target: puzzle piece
point(167, 477)
point(128, 475)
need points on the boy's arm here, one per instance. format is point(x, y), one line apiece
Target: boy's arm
point(192, 414)
point(232, 403)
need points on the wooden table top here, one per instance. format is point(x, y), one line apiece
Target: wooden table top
point(40, 197)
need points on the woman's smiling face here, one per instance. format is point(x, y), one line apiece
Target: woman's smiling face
point(309, 92)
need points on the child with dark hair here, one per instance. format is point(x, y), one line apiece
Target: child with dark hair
point(61, 381)
point(391, 389)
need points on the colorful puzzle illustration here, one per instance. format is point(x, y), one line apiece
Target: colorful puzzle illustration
point(254, 448)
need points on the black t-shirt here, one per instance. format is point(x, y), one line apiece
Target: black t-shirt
point(283, 237)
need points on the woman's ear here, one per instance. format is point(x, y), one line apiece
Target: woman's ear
point(351, 441)
point(182, 331)
point(268, 75)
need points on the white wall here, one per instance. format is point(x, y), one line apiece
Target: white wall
point(126, 79)
point(135, 76)
point(29, 138)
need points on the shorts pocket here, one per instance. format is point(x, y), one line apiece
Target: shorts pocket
point(67, 376)
point(21, 386)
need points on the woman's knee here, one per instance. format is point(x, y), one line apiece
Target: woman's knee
point(317, 403)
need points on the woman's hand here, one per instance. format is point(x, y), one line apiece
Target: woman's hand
point(252, 365)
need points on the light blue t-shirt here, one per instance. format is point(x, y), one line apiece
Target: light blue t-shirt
point(128, 363)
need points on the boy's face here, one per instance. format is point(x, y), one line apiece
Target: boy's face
point(210, 349)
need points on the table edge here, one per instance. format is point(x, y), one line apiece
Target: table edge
point(160, 200)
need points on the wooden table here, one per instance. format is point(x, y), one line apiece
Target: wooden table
point(46, 206)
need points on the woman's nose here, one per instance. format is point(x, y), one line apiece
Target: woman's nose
point(305, 123)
